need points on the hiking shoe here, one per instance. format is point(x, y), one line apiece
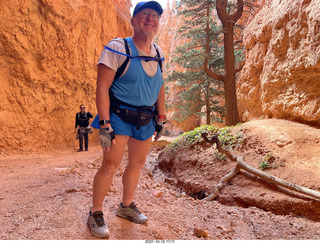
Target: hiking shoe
point(97, 226)
point(131, 213)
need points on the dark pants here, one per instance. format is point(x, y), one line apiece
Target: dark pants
point(83, 133)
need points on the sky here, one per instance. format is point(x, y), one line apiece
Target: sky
point(162, 2)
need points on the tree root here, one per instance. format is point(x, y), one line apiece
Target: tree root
point(242, 165)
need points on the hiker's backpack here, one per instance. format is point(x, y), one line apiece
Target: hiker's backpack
point(85, 115)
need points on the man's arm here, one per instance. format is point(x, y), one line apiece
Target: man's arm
point(76, 124)
point(161, 103)
point(104, 82)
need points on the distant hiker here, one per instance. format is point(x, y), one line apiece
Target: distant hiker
point(82, 128)
point(131, 107)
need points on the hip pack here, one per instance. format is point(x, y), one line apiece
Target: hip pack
point(139, 117)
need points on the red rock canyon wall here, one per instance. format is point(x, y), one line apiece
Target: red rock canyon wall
point(281, 77)
point(49, 50)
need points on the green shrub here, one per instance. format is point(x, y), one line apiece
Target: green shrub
point(268, 162)
point(193, 137)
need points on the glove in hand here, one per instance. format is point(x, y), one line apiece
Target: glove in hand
point(159, 129)
point(106, 135)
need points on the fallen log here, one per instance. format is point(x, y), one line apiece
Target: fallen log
point(242, 165)
point(222, 183)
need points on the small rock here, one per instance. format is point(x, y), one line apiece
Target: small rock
point(150, 175)
point(158, 193)
point(220, 227)
point(169, 181)
point(145, 186)
point(72, 190)
point(200, 232)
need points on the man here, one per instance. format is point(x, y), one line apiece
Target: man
point(130, 97)
point(82, 127)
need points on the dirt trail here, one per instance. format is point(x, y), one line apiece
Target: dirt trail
point(48, 196)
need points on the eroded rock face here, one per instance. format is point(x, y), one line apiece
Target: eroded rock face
point(49, 51)
point(281, 76)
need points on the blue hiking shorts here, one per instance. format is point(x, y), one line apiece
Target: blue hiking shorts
point(123, 128)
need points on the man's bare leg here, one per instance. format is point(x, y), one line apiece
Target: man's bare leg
point(104, 177)
point(137, 151)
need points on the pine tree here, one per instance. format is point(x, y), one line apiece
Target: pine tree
point(229, 13)
point(197, 89)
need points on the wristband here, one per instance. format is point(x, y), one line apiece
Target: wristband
point(104, 122)
point(161, 116)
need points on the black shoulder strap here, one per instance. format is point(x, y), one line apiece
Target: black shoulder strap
point(121, 70)
point(159, 58)
point(125, 63)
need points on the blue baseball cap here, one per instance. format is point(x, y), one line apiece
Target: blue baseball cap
point(150, 4)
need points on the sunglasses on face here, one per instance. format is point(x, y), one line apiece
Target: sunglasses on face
point(146, 13)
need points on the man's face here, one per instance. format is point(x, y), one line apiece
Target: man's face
point(146, 21)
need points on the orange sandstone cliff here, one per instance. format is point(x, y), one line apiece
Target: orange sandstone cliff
point(281, 76)
point(49, 50)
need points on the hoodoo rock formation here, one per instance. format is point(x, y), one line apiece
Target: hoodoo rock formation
point(282, 72)
point(49, 51)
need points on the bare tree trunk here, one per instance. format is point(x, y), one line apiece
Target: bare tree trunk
point(208, 102)
point(232, 115)
point(228, 22)
point(229, 78)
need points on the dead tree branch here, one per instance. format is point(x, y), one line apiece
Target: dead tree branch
point(222, 183)
point(242, 165)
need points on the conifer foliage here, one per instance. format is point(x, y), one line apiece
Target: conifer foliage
point(208, 59)
point(199, 93)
